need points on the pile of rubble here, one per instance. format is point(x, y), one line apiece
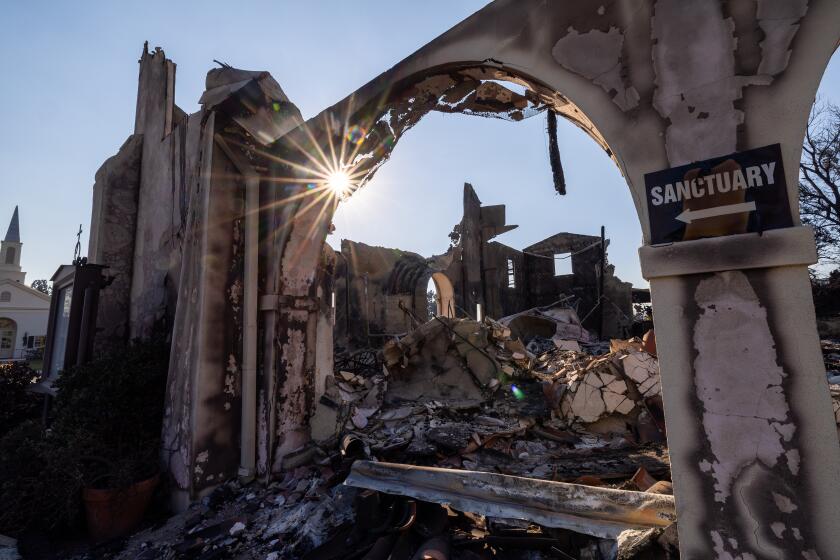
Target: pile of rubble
point(518, 438)
point(462, 395)
point(465, 394)
point(463, 439)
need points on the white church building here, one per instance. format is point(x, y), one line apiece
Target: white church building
point(23, 311)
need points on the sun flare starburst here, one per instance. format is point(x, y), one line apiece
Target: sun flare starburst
point(339, 183)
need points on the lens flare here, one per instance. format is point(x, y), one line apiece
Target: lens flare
point(517, 392)
point(339, 183)
point(356, 135)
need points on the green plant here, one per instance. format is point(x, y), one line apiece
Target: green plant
point(17, 404)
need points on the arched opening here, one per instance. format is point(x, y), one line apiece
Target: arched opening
point(432, 301)
point(355, 138)
point(10, 255)
point(8, 338)
point(442, 298)
point(462, 91)
point(819, 184)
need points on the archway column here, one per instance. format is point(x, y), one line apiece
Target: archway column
point(751, 432)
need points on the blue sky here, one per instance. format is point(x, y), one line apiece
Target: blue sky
point(70, 85)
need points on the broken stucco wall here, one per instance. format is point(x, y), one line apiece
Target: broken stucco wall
point(142, 203)
point(377, 279)
point(584, 252)
point(113, 226)
point(503, 299)
point(380, 279)
point(139, 210)
point(477, 267)
point(201, 428)
point(472, 286)
point(167, 169)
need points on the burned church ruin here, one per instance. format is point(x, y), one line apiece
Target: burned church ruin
point(382, 292)
point(213, 227)
point(171, 221)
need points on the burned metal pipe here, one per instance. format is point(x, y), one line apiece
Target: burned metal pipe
point(600, 512)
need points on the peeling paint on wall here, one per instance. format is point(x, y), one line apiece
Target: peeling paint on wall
point(596, 55)
point(693, 56)
point(746, 418)
point(779, 20)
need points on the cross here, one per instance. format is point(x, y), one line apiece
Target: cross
point(77, 253)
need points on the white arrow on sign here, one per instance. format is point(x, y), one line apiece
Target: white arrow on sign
point(689, 216)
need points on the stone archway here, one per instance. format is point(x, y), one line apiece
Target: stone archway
point(657, 84)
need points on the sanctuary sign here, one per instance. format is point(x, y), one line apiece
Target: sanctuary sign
point(742, 192)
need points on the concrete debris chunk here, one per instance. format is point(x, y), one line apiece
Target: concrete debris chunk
point(549, 322)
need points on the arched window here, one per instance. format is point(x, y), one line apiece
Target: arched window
point(5, 297)
point(10, 255)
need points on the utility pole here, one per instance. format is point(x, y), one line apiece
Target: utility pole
point(601, 285)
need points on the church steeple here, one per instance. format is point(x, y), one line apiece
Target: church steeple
point(10, 252)
point(13, 233)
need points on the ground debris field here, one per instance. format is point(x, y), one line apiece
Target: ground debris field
point(458, 440)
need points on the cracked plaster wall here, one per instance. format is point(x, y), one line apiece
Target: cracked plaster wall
point(168, 169)
point(746, 419)
point(203, 412)
point(113, 227)
point(753, 481)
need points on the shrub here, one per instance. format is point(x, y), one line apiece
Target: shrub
point(105, 433)
point(111, 410)
point(39, 482)
point(16, 402)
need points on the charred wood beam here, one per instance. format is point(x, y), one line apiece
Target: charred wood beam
point(600, 512)
point(554, 154)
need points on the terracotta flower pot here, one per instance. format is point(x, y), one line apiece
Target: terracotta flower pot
point(112, 514)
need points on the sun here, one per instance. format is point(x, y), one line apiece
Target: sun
point(339, 183)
